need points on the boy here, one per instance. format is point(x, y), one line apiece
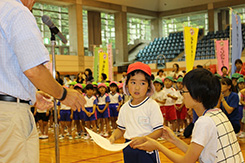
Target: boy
point(171, 97)
point(159, 95)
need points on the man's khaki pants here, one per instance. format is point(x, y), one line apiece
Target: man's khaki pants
point(18, 134)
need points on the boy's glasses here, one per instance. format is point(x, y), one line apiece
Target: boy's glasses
point(182, 92)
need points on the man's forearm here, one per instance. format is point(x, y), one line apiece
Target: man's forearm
point(43, 80)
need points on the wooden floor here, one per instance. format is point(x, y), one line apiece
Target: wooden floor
point(81, 151)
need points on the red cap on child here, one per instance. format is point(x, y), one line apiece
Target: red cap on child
point(139, 66)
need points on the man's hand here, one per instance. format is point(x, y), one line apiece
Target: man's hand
point(74, 99)
point(42, 102)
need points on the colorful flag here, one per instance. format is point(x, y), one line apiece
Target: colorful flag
point(236, 40)
point(103, 63)
point(110, 58)
point(97, 51)
point(190, 37)
point(222, 53)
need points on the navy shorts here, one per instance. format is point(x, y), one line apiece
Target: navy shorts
point(42, 116)
point(113, 110)
point(65, 115)
point(240, 109)
point(131, 155)
point(105, 114)
point(92, 118)
point(78, 115)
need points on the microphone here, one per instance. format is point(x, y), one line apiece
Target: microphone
point(46, 20)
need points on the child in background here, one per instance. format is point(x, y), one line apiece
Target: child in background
point(65, 115)
point(95, 89)
point(103, 112)
point(171, 97)
point(159, 95)
point(241, 85)
point(120, 87)
point(140, 116)
point(181, 110)
point(43, 117)
point(90, 107)
point(235, 77)
point(115, 103)
point(78, 115)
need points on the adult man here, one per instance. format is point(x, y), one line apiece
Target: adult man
point(22, 55)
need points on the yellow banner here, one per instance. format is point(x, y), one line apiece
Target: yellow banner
point(190, 37)
point(103, 64)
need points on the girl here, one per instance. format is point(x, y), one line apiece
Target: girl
point(140, 116)
point(213, 138)
point(228, 102)
point(80, 78)
point(160, 74)
point(103, 112)
point(89, 76)
point(115, 103)
point(181, 110)
point(90, 107)
point(176, 72)
point(241, 86)
point(78, 115)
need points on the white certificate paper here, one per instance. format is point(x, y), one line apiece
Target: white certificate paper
point(105, 143)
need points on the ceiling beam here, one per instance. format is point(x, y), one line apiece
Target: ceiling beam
point(142, 11)
point(183, 10)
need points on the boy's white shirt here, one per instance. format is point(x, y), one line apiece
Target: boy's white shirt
point(140, 120)
point(180, 98)
point(172, 92)
point(159, 96)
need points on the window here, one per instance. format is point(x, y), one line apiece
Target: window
point(241, 12)
point(138, 29)
point(175, 24)
point(107, 29)
point(85, 28)
point(59, 16)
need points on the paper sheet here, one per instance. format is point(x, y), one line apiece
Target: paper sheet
point(105, 143)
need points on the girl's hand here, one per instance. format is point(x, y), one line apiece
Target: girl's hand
point(168, 134)
point(118, 109)
point(58, 116)
point(47, 112)
point(89, 114)
point(136, 141)
point(71, 116)
point(148, 145)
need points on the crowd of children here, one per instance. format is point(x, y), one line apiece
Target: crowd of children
point(104, 101)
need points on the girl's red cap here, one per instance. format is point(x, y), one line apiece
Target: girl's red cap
point(139, 66)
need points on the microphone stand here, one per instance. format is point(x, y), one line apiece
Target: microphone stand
point(56, 125)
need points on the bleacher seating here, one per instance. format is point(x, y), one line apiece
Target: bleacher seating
point(170, 46)
point(173, 45)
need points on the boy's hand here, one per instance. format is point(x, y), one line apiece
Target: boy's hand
point(71, 116)
point(58, 116)
point(118, 109)
point(47, 113)
point(111, 139)
point(148, 145)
